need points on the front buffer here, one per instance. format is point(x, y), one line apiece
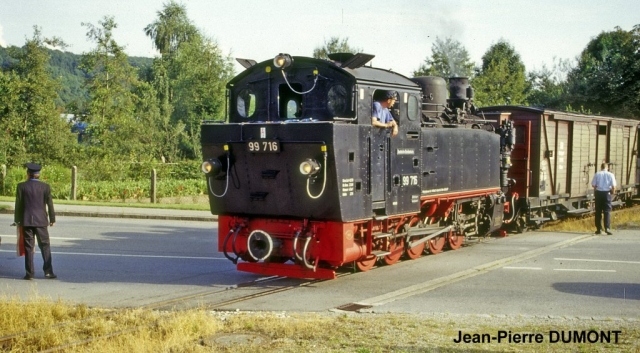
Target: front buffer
point(289, 247)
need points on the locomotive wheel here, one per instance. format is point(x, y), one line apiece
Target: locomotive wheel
point(416, 251)
point(436, 245)
point(367, 263)
point(396, 248)
point(455, 240)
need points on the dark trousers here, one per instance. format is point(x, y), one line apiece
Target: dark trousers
point(42, 234)
point(603, 206)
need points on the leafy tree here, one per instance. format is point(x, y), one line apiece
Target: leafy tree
point(448, 59)
point(169, 133)
point(334, 45)
point(501, 79)
point(116, 129)
point(199, 85)
point(11, 144)
point(549, 86)
point(171, 29)
point(28, 113)
point(189, 79)
point(607, 76)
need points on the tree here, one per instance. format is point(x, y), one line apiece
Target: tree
point(11, 142)
point(189, 79)
point(607, 77)
point(171, 29)
point(28, 113)
point(201, 73)
point(448, 59)
point(115, 128)
point(549, 86)
point(501, 79)
point(334, 45)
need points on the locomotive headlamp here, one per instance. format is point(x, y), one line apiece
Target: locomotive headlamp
point(282, 61)
point(211, 166)
point(309, 167)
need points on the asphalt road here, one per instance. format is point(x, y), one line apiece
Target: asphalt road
point(134, 262)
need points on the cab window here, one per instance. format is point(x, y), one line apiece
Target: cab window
point(246, 103)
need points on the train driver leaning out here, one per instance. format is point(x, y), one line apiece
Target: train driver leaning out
point(380, 115)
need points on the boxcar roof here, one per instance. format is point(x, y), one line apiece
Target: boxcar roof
point(558, 114)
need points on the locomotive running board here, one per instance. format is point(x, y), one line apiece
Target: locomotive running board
point(294, 271)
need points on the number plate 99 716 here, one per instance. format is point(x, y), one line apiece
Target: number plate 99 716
point(263, 146)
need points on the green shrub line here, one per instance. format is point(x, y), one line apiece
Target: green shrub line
point(171, 181)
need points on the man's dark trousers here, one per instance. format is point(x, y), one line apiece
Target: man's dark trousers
point(42, 234)
point(603, 205)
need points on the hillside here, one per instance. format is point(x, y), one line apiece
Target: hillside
point(64, 66)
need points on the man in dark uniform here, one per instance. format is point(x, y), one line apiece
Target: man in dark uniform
point(32, 196)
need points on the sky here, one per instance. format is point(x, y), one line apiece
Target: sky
point(399, 33)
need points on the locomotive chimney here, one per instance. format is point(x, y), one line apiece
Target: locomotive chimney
point(460, 92)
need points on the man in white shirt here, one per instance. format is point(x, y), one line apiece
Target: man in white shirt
point(604, 184)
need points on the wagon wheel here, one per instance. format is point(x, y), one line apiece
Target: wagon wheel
point(396, 248)
point(521, 225)
point(416, 251)
point(455, 240)
point(436, 244)
point(366, 263)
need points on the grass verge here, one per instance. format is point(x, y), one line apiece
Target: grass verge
point(625, 218)
point(207, 331)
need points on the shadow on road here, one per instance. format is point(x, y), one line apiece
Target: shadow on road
point(629, 291)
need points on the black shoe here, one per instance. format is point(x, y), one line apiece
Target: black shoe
point(608, 231)
point(598, 231)
point(50, 275)
point(27, 277)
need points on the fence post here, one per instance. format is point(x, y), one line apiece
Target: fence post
point(74, 182)
point(153, 185)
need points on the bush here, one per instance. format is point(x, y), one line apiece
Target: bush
point(56, 176)
point(175, 180)
point(137, 190)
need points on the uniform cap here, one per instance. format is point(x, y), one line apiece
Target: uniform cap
point(391, 94)
point(33, 168)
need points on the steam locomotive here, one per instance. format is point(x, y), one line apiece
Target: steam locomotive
point(303, 184)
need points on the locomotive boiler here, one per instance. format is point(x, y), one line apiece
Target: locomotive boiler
point(303, 184)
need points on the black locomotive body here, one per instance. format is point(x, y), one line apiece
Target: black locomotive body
point(303, 183)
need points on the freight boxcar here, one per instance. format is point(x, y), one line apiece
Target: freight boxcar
point(556, 154)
